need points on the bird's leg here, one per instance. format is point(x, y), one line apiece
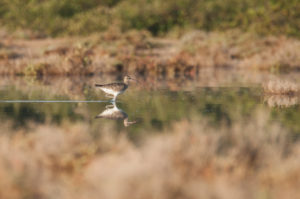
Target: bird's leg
point(109, 106)
point(109, 95)
point(112, 105)
point(114, 98)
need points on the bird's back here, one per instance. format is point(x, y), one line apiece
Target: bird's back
point(118, 87)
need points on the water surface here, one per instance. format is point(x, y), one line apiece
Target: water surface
point(140, 109)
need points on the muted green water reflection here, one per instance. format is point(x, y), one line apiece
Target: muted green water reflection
point(154, 109)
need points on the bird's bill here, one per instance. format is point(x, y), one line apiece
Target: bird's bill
point(132, 79)
point(127, 123)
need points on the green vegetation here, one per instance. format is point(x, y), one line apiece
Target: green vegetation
point(69, 17)
point(34, 70)
point(202, 124)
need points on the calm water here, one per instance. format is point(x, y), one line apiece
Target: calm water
point(141, 108)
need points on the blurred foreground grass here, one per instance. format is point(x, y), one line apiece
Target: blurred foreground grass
point(251, 159)
point(73, 17)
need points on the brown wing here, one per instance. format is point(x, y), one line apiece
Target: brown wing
point(113, 86)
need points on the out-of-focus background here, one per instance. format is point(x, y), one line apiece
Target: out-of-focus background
point(214, 112)
point(80, 17)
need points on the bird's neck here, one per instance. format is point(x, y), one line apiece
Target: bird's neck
point(126, 82)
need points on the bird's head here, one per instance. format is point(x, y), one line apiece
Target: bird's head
point(127, 78)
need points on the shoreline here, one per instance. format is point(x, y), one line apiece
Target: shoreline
point(137, 53)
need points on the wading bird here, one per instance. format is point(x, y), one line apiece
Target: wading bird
point(112, 90)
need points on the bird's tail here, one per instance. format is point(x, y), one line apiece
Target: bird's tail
point(98, 85)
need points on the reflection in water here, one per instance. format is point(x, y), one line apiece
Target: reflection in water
point(281, 100)
point(114, 113)
point(23, 106)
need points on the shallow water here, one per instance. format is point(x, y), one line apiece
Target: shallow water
point(141, 109)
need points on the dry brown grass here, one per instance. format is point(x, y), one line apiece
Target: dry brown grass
point(281, 93)
point(252, 159)
point(281, 87)
point(281, 100)
point(138, 53)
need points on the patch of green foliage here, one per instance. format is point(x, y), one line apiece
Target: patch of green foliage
point(270, 16)
point(58, 17)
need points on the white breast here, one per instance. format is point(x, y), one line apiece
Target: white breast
point(108, 112)
point(109, 91)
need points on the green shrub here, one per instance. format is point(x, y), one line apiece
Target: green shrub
point(265, 17)
point(35, 69)
point(57, 17)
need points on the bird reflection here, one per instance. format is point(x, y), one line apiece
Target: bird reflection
point(114, 113)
